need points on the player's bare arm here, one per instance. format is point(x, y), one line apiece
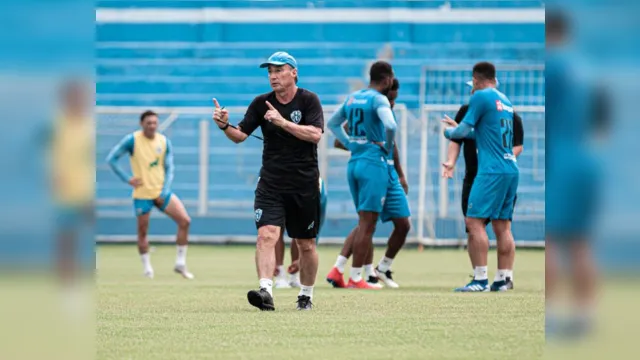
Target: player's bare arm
point(398, 167)
point(221, 118)
point(452, 156)
point(310, 133)
point(517, 150)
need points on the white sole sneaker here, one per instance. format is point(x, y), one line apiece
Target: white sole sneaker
point(182, 270)
point(386, 280)
point(148, 274)
point(282, 284)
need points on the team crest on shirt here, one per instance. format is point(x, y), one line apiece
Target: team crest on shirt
point(296, 116)
point(258, 214)
point(159, 150)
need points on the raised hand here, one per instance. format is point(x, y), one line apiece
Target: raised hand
point(220, 115)
point(449, 121)
point(273, 116)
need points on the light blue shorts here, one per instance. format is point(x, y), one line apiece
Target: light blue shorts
point(493, 196)
point(144, 206)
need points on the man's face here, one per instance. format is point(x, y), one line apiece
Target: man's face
point(149, 125)
point(392, 95)
point(75, 99)
point(282, 77)
point(477, 82)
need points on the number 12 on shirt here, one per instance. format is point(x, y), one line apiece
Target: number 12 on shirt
point(507, 132)
point(355, 119)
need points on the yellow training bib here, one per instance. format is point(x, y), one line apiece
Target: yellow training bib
point(147, 164)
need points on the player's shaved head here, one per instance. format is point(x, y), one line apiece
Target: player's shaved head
point(484, 71)
point(392, 94)
point(484, 75)
point(381, 76)
point(395, 86)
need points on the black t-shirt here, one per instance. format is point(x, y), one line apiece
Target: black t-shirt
point(469, 149)
point(288, 163)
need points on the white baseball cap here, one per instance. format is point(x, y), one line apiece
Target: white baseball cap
point(470, 83)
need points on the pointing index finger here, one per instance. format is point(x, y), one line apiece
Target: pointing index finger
point(269, 105)
point(215, 102)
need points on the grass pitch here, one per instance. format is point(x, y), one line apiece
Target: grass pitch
point(209, 318)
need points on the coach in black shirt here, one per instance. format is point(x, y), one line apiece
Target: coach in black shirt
point(287, 194)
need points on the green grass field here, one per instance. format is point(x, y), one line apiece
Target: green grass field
point(209, 318)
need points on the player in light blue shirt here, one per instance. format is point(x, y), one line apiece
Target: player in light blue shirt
point(396, 209)
point(576, 112)
point(490, 120)
point(371, 133)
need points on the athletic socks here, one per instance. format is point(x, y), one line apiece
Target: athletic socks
point(385, 264)
point(146, 262)
point(181, 255)
point(306, 291)
point(368, 271)
point(480, 273)
point(340, 263)
point(281, 273)
point(267, 284)
point(509, 274)
point(356, 274)
point(501, 275)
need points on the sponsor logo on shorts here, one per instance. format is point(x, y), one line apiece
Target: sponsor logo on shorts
point(296, 116)
point(470, 206)
point(258, 214)
point(311, 225)
point(382, 200)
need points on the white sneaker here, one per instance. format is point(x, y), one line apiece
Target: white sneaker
point(294, 281)
point(182, 270)
point(149, 274)
point(373, 281)
point(282, 283)
point(386, 278)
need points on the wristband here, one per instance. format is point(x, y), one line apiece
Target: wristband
point(225, 127)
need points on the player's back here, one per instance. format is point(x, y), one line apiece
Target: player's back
point(365, 127)
point(493, 116)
